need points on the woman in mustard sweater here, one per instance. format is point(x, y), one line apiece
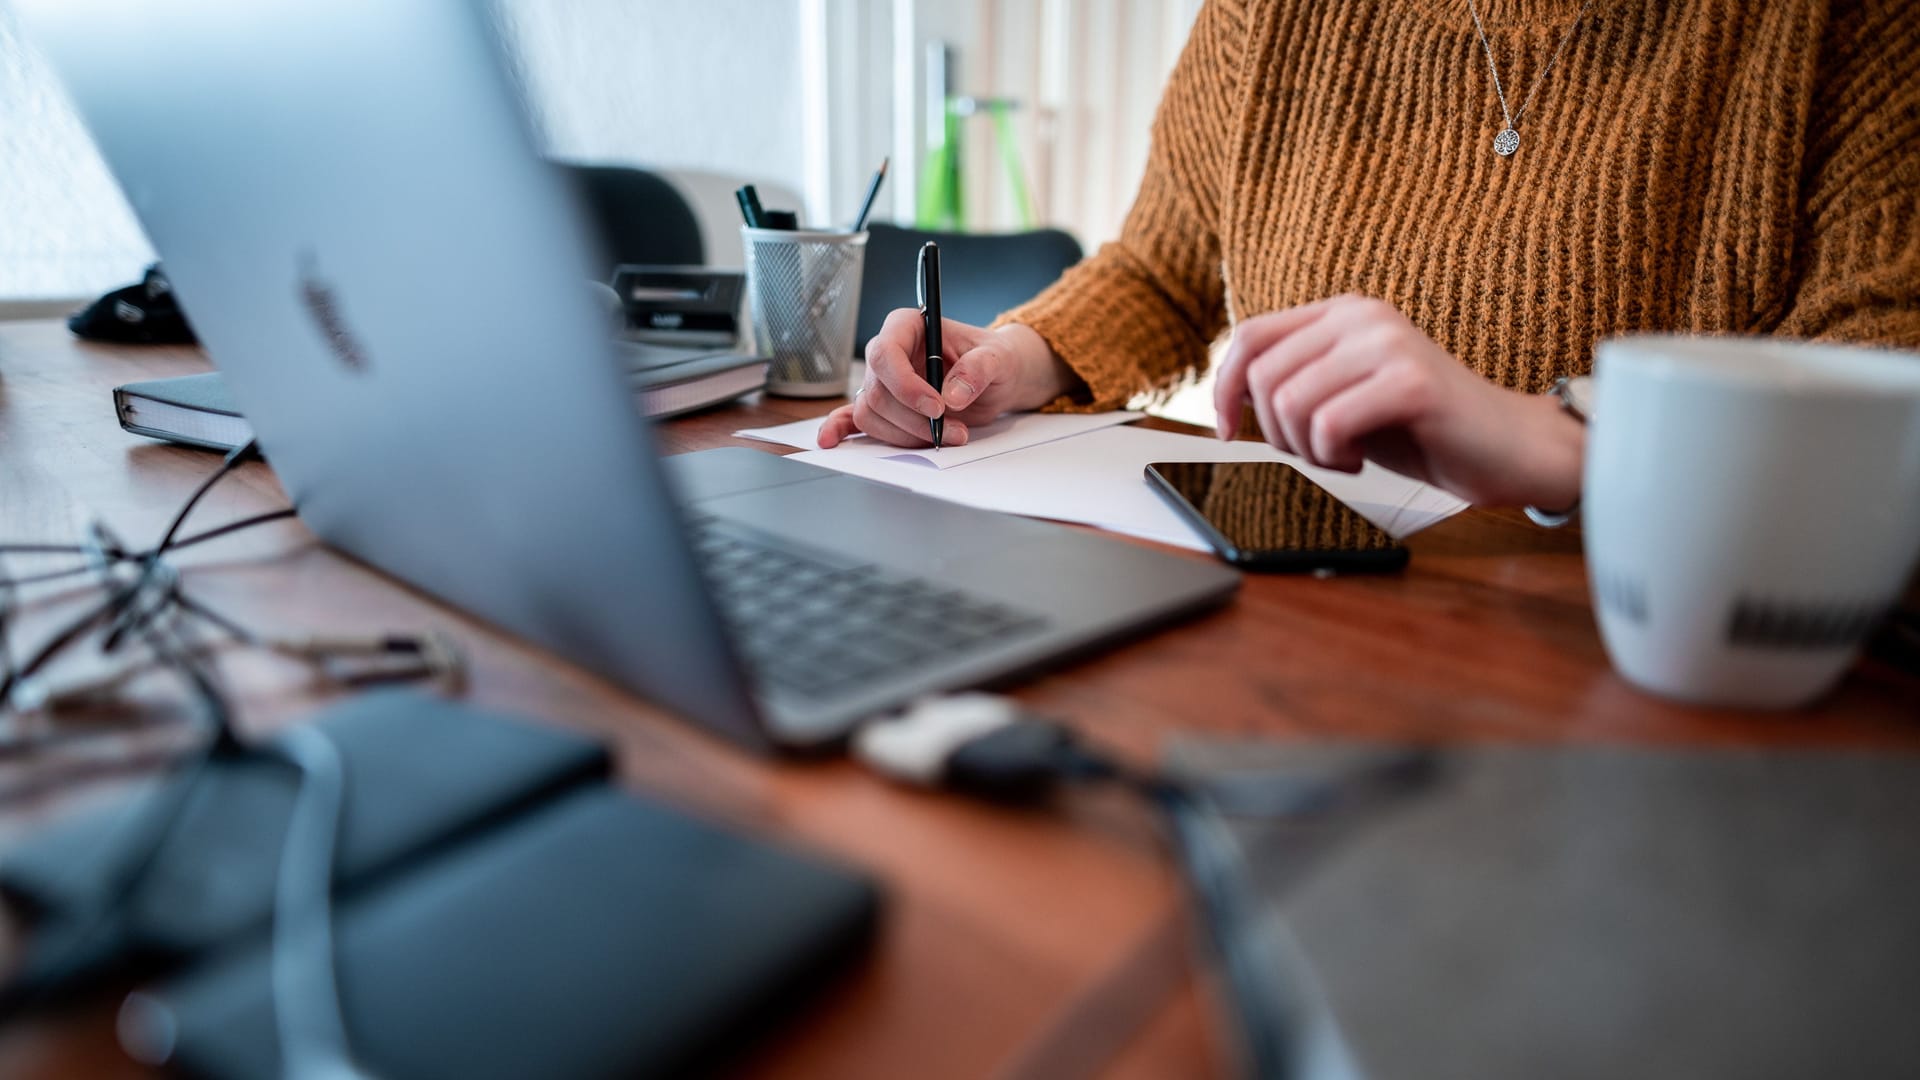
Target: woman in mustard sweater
point(1415, 215)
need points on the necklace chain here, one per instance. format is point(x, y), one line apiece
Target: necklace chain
point(1508, 140)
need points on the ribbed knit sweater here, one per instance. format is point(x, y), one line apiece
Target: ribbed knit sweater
point(1744, 166)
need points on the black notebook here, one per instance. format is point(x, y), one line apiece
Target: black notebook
point(599, 935)
point(199, 411)
point(500, 910)
point(419, 772)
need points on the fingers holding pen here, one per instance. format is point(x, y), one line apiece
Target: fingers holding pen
point(877, 414)
point(889, 360)
point(885, 417)
point(897, 400)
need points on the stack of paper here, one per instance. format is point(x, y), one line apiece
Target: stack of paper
point(1090, 469)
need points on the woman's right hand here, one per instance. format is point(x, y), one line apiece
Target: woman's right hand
point(988, 373)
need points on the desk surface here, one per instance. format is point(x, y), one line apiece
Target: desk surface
point(1016, 943)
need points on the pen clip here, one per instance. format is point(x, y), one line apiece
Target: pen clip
point(920, 277)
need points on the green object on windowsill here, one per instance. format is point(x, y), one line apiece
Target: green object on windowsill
point(942, 197)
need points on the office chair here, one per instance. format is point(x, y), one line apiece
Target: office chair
point(981, 274)
point(640, 218)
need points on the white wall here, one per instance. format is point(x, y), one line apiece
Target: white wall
point(702, 87)
point(65, 231)
point(698, 87)
point(802, 96)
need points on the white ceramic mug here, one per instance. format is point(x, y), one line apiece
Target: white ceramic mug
point(1751, 510)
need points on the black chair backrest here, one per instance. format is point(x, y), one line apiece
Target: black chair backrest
point(639, 217)
point(981, 274)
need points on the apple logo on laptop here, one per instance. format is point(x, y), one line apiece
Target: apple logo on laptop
point(320, 301)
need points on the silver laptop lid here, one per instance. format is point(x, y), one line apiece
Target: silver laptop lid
point(348, 200)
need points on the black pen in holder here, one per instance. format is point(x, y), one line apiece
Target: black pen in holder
point(805, 289)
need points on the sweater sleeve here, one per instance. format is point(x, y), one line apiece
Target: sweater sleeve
point(1139, 313)
point(1858, 264)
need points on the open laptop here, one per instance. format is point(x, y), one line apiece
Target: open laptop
point(348, 199)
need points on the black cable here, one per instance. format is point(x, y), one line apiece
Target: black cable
point(1283, 1025)
point(129, 868)
point(102, 550)
point(7, 597)
point(135, 614)
point(176, 599)
point(230, 627)
point(151, 559)
point(49, 575)
point(60, 640)
point(136, 556)
point(150, 608)
point(170, 646)
point(305, 993)
point(306, 1001)
point(1247, 952)
point(234, 527)
point(1024, 760)
point(183, 658)
point(232, 461)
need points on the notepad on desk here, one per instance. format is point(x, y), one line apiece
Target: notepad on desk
point(1014, 431)
point(198, 410)
point(1089, 469)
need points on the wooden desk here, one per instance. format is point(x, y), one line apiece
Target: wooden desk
point(1015, 943)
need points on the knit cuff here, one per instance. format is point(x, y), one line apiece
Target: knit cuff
point(1116, 332)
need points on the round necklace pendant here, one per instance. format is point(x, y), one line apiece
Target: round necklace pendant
point(1506, 142)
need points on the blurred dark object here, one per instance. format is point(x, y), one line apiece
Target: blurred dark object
point(1897, 643)
point(143, 314)
point(687, 305)
point(638, 217)
point(981, 274)
point(596, 935)
point(1605, 912)
point(501, 910)
point(420, 774)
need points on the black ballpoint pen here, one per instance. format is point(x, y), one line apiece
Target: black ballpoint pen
point(930, 315)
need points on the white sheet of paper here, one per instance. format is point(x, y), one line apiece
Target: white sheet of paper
point(1015, 431)
point(1098, 479)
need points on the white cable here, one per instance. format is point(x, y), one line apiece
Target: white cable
point(306, 1000)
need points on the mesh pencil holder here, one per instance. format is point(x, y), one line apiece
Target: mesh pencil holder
point(805, 288)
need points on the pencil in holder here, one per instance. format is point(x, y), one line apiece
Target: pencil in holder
point(805, 288)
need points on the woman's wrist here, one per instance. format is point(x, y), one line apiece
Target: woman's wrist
point(1559, 457)
point(1044, 376)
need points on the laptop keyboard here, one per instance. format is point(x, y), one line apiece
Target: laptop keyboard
point(813, 628)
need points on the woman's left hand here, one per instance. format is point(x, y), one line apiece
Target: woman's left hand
point(1349, 378)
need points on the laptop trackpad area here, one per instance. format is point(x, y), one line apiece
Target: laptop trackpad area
point(710, 474)
point(872, 522)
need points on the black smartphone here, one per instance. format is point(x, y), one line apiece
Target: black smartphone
point(1265, 515)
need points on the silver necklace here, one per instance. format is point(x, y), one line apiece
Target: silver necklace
point(1508, 140)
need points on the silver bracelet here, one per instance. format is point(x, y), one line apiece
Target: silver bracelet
point(1575, 395)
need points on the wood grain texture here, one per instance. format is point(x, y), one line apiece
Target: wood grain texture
point(1013, 942)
